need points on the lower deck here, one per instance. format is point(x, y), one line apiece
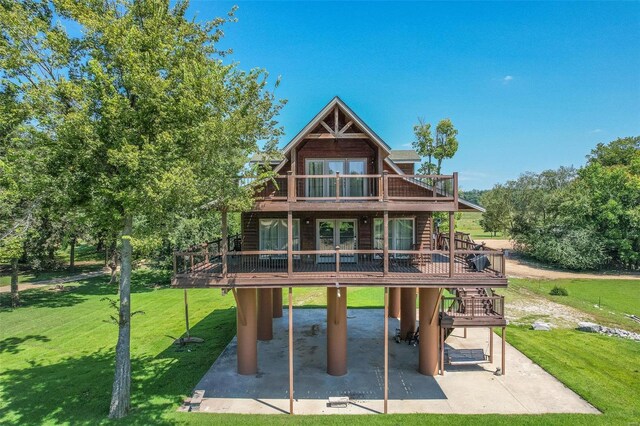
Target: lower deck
point(464, 389)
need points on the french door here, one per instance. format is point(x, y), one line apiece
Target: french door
point(326, 187)
point(337, 232)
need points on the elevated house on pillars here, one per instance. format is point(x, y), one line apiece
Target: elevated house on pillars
point(345, 210)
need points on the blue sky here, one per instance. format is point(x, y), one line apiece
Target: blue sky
point(530, 86)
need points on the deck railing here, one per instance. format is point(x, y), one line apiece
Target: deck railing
point(473, 307)
point(337, 262)
point(345, 187)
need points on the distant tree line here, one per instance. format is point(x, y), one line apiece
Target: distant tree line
point(586, 218)
point(473, 195)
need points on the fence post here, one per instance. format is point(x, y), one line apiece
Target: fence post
point(337, 186)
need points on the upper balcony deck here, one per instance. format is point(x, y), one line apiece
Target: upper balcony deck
point(357, 192)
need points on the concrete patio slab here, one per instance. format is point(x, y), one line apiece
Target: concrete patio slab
point(464, 389)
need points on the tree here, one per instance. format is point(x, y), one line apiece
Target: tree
point(446, 142)
point(497, 216)
point(444, 145)
point(424, 146)
point(150, 126)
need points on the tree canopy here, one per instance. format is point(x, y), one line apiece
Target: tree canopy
point(579, 219)
point(140, 121)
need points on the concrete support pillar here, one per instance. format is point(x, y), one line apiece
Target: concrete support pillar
point(277, 303)
point(336, 331)
point(394, 302)
point(408, 311)
point(265, 314)
point(428, 346)
point(246, 320)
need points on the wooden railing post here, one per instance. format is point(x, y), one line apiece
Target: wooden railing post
point(385, 185)
point(385, 244)
point(504, 264)
point(175, 264)
point(224, 242)
point(337, 186)
point(455, 189)
point(289, 243)
point(291, 187)
point(206, 253)
point(337, 261)
point(452, 243)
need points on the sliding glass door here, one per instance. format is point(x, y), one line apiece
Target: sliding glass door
point(326, 187)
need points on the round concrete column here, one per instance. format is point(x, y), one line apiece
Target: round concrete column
point(265, 314)
point(336, 331)
point(277, 303)
point(394, 302)
point(408, 311)
point(428, 349)
point(246, 325)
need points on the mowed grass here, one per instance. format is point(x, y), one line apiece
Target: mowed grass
point(609, 301)
point(86, 258)
point(56, 354)
point(470, 223)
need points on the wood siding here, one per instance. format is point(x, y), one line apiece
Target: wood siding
point(407, 168)
point(251, 221)
point(342, 148)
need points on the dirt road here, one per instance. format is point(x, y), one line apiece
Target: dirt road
point(54, 281)
point(519, 268)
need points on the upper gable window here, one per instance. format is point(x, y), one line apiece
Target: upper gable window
point(326, 187)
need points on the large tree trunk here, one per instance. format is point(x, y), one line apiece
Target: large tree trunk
point(72, 255)
point(15, 296)
point(121, 393)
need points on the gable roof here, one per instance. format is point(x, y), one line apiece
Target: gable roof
point(315, 121)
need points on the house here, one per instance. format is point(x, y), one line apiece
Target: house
point(344, 210)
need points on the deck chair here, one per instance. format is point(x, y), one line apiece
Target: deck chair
point(413, 338)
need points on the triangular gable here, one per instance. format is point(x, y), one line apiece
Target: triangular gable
point(329, 131)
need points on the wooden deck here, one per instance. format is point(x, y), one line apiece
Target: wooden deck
point(431, 270)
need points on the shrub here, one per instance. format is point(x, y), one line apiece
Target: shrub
point(559, 291)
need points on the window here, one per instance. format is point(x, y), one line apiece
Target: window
point(273, 234)
point(326, 187)
point(401, 234)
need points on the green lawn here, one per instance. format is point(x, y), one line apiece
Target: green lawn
point(470, 223)
point(87, 260)
point(607, 300)
point(35, 277)
point(56, 354)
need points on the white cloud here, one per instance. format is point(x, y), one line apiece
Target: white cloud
point(506, 79)
point(596, 131)
point(406, 145)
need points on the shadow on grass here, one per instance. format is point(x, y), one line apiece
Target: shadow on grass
point(142, 281)
point(12, 345)
point(77, 390)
